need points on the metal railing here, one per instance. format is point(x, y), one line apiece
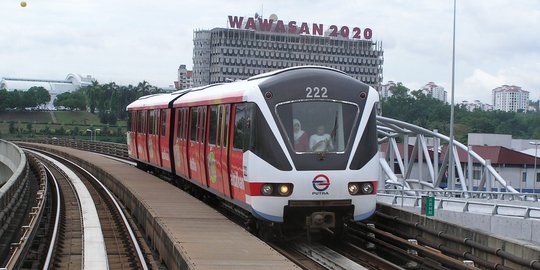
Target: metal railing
point(424, 169)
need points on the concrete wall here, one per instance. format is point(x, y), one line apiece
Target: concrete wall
point(10, 160)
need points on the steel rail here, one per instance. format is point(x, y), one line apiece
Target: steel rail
point(126, 224)
point(54, 237)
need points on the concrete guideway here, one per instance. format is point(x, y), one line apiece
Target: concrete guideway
point(94, 251)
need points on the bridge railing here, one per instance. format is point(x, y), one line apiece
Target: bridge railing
point(424, 160)
point(485, 207)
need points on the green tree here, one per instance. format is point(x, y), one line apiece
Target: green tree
point(71, 100)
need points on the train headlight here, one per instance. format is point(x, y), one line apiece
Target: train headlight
point(267, 189)
point(353, 188)
point(367, 188)
point(284, 190)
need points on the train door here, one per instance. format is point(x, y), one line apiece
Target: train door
point(213, 150)
point(164, 142)
point(196, 145)
point(180, 143)
point(241, 131)
point(142, 150)
point(153, 138)
point(132, 134)
point(222, 155)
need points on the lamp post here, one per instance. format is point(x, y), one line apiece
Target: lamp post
point(535, 157)
point(450, 181)
point(95, 133)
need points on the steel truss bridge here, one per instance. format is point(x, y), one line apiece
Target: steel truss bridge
point(423, 170)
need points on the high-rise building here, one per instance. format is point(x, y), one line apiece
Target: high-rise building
point(510, 98)
point(251, 46)
point(386, 89)
point(435, 91)
point(185, 78)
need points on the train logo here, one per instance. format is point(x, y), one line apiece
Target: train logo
point(321, 183)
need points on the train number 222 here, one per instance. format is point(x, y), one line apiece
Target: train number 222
point(316, 92)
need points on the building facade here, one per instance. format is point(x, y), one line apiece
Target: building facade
point(254, 46)
point(476, 105)
point(510, 98)
point(435, 91)
point(185, 78)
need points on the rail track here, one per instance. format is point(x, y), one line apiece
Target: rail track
point(88, 228)
point(365, 246)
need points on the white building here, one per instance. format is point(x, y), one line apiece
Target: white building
point(387, 89)
point(510, 98)
point(55, 87)
point(252, 46)
point(435, 91)
point(476, 104)
point(185, 78)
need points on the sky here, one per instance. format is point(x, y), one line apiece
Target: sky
point(497, 41)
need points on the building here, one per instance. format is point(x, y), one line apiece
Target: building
point(250, 46)
point(476, 104)
point(185, 78)
point(387, 89)
point(510, 98)
point(435, 91)
point(55, 87)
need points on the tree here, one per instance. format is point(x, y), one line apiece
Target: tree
point(71, 100)
point(39, 95)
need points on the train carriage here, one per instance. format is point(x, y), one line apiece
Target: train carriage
point(293, 146)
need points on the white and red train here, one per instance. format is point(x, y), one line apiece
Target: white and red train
point(297, 145)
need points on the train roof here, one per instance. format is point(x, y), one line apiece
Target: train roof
point(215, 93)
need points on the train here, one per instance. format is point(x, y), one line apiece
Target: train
point(295, 147)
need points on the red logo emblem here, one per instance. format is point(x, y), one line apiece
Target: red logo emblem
point(321, 182)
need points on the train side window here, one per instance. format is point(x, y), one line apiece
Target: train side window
point(193, 130)
point(225, 125)
point(163, 122)
point(141, 123)
point(202, 125)
point(242, 127)
point(213, 125)
point(129, 123)
point(151, 122)
point(179, 124)
point(185, 124)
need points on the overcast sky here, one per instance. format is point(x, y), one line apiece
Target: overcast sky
point(497, 41)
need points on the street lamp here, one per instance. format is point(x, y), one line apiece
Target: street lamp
point(535, 156)
point(95, 134)
point(450, 180)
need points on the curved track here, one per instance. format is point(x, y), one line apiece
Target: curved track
point(92, 231)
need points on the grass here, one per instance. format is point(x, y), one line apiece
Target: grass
point(67, 125)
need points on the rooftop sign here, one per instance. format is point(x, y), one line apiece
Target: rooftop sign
point(292, 27)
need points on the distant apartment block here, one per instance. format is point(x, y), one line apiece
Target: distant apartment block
point(387, 89)
point(510, 98)
point(435, 91)
point(476, 104)
point(185, 78)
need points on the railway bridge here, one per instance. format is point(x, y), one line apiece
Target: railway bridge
point(484, 222)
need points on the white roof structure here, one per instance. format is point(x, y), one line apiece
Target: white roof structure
point(55, 87)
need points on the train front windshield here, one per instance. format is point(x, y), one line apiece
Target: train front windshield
point(317, 126)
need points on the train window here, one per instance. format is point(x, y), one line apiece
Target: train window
point(213, 125)
point(180, 124)
point(151, 123)
point(242, 127)
point(202, 125)
point(163, 122)
point(193, 130)
point(317, 126)
point(129, 121)
point(141, 122)
point(225, 125)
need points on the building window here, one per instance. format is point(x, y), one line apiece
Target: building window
point(523, 176)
